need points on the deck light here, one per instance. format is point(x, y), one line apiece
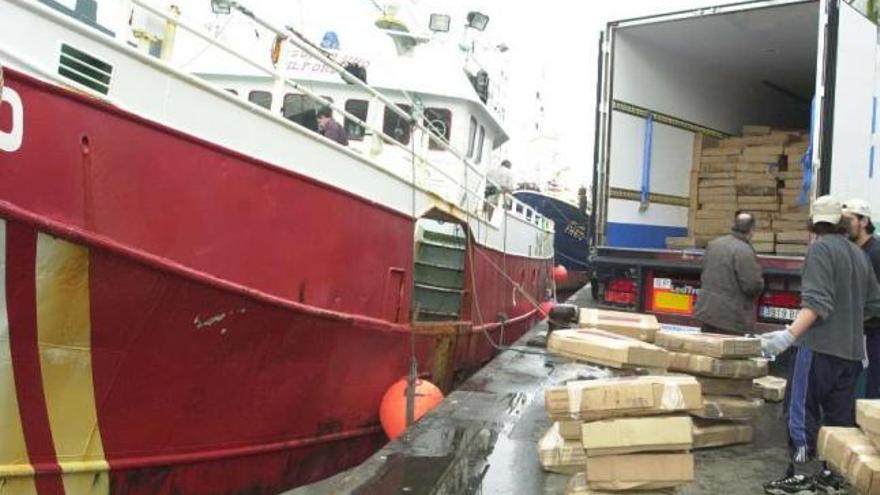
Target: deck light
point(223, 7)
point(439, 23)
point(477, 20)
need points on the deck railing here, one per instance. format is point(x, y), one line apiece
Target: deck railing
point(475, 202)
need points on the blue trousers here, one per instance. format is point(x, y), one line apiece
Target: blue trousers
point(821, 391)
point(872, 345)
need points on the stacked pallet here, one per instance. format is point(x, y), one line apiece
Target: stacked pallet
point(725, 367)
point(853, 452)
point(626, 433)
point(755, 172)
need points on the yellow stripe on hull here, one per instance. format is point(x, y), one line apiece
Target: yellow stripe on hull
point(16, 472)
point(64, 335)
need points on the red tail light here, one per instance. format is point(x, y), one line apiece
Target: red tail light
point(621, 291)
point(781, 299)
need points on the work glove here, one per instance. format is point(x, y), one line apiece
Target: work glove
point(774, 343)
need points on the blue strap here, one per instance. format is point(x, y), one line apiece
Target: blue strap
point(873, 133)
point(807, 159)
point(646, 162)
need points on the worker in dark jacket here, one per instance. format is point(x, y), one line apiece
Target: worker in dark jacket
point(862, 233)
point(730, 281)
point(838, 289)
point(329, 128)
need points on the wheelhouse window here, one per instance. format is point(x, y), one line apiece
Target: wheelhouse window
point(481, 138)
point(396, 126)
point(439, 121)
point(261, 98)
point(302, 109)
point(358, 108)
point(472, 136)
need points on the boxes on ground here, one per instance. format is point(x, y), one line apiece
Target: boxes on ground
point(578, 485)
point(607, 349)
point(709, 434)
point(868, 418)
point(558, 455)
point(730, 408)
point(640, 471)
point(853, 455)
point(635, 325)
point(623, 396)
point(716, 367)
point(726, 386)
point(631, 435)
point(710, 344)
point(769, 388)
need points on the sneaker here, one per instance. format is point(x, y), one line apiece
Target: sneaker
point(792, 485)
point(831, 483)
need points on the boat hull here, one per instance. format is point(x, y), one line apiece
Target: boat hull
point(180, 318)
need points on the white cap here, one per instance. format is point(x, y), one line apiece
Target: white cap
point(857, 206)
point(826, 209)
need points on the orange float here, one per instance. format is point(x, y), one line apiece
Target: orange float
point(392, 410)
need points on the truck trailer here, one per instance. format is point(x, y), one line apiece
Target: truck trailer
point(672, 86)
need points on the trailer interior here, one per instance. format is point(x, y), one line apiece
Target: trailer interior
point(707, 72)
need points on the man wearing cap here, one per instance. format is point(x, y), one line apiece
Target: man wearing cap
point(730, 281)
point(838, 288)
point(862, 233)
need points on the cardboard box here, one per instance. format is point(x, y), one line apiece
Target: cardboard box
point(603, 398)
point(634, 325)
point(792, 249)
point(558, 455)
point(681, 242)
point(570, 429)
point(769, 388)
point(851, 453)
point(639, 471)
point(578, 485)
point(763, 237)
point(730, 408)
point(631, 435)
point(764, 247)
point(868, 418)
point(607, 349)
point(755, 130)
point(787, 225)
point(864, 474)
point(719, 368)
point(726, 386)
point(793, 237)
point(709, 434)
point(710, 344)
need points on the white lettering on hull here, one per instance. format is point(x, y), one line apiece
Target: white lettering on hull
point(10, 140)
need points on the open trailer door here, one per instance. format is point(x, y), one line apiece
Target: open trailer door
point(844, 146)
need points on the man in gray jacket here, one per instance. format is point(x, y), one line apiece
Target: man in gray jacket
point(838, 290)
point(731, 281)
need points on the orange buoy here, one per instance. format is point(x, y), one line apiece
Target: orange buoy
point(545, 308)
point(392, 410)
point(559, 274)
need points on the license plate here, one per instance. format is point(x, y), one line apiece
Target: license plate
point(774, 313)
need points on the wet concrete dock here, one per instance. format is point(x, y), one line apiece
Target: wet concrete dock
point(482, 439)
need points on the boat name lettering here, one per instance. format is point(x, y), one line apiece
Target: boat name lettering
point(300, 61)
point(11, 137)
point(576, 230)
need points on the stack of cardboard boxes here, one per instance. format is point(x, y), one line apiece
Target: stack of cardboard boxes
point(758, 172)
point(853, 452)
point(725, 366)
point(634, 432)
